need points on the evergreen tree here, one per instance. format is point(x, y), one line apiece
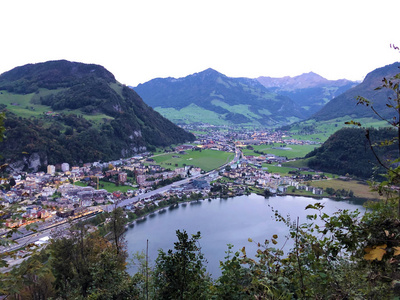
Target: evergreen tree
point(180, 273)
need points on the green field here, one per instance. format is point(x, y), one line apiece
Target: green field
point(361, 190)
point(299, 163)
point(108, 186)
point(280, 170)
point(294, 152)
point(207, 160)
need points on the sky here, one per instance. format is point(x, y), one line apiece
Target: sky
point(141, 40)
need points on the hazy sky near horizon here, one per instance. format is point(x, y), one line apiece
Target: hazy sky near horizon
point(141, 40)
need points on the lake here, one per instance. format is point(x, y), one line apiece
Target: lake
point(225, 221)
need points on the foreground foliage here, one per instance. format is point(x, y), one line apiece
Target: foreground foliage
point(343, 256)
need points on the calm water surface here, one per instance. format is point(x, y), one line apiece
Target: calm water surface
point(225, 221)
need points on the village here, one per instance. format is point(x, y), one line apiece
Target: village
point(66, 191)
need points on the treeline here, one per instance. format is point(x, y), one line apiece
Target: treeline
point(339, 193)
point(348, 152)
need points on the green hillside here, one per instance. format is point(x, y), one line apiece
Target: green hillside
point(62, 111)
point(347, 151)
point(346, 103)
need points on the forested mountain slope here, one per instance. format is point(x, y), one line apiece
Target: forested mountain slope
point(61, 111)
point(346, 103)
point(347, 151)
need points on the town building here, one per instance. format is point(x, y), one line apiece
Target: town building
point(51, 169)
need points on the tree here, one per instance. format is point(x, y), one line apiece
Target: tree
point(235, 279)
point(180, 273)
point(87, 265)
point(117, 228)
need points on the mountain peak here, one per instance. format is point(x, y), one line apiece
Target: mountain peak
point(208, 72)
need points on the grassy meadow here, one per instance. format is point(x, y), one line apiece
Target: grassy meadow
point(207, 160)
point(360, 189)
point(295, 151)
point(108, 186)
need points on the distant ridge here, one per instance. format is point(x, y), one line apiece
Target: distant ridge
point(305, 80)
point(214, 98)
point(309, 90)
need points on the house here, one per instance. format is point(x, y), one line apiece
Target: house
point(195, 171)
point(282, 188)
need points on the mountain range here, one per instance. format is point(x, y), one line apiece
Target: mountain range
point(61, 111)
point(346, 103)
point(214, 98)
point(310, 91)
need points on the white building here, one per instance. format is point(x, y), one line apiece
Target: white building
point(65, 167)
point(51, 169)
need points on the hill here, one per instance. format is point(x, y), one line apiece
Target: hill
point(346, 103)
point(211, 97)
point(310, 91)
point(61, 111)
point(347, 152)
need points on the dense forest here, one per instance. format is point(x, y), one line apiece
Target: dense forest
point(348, 151)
